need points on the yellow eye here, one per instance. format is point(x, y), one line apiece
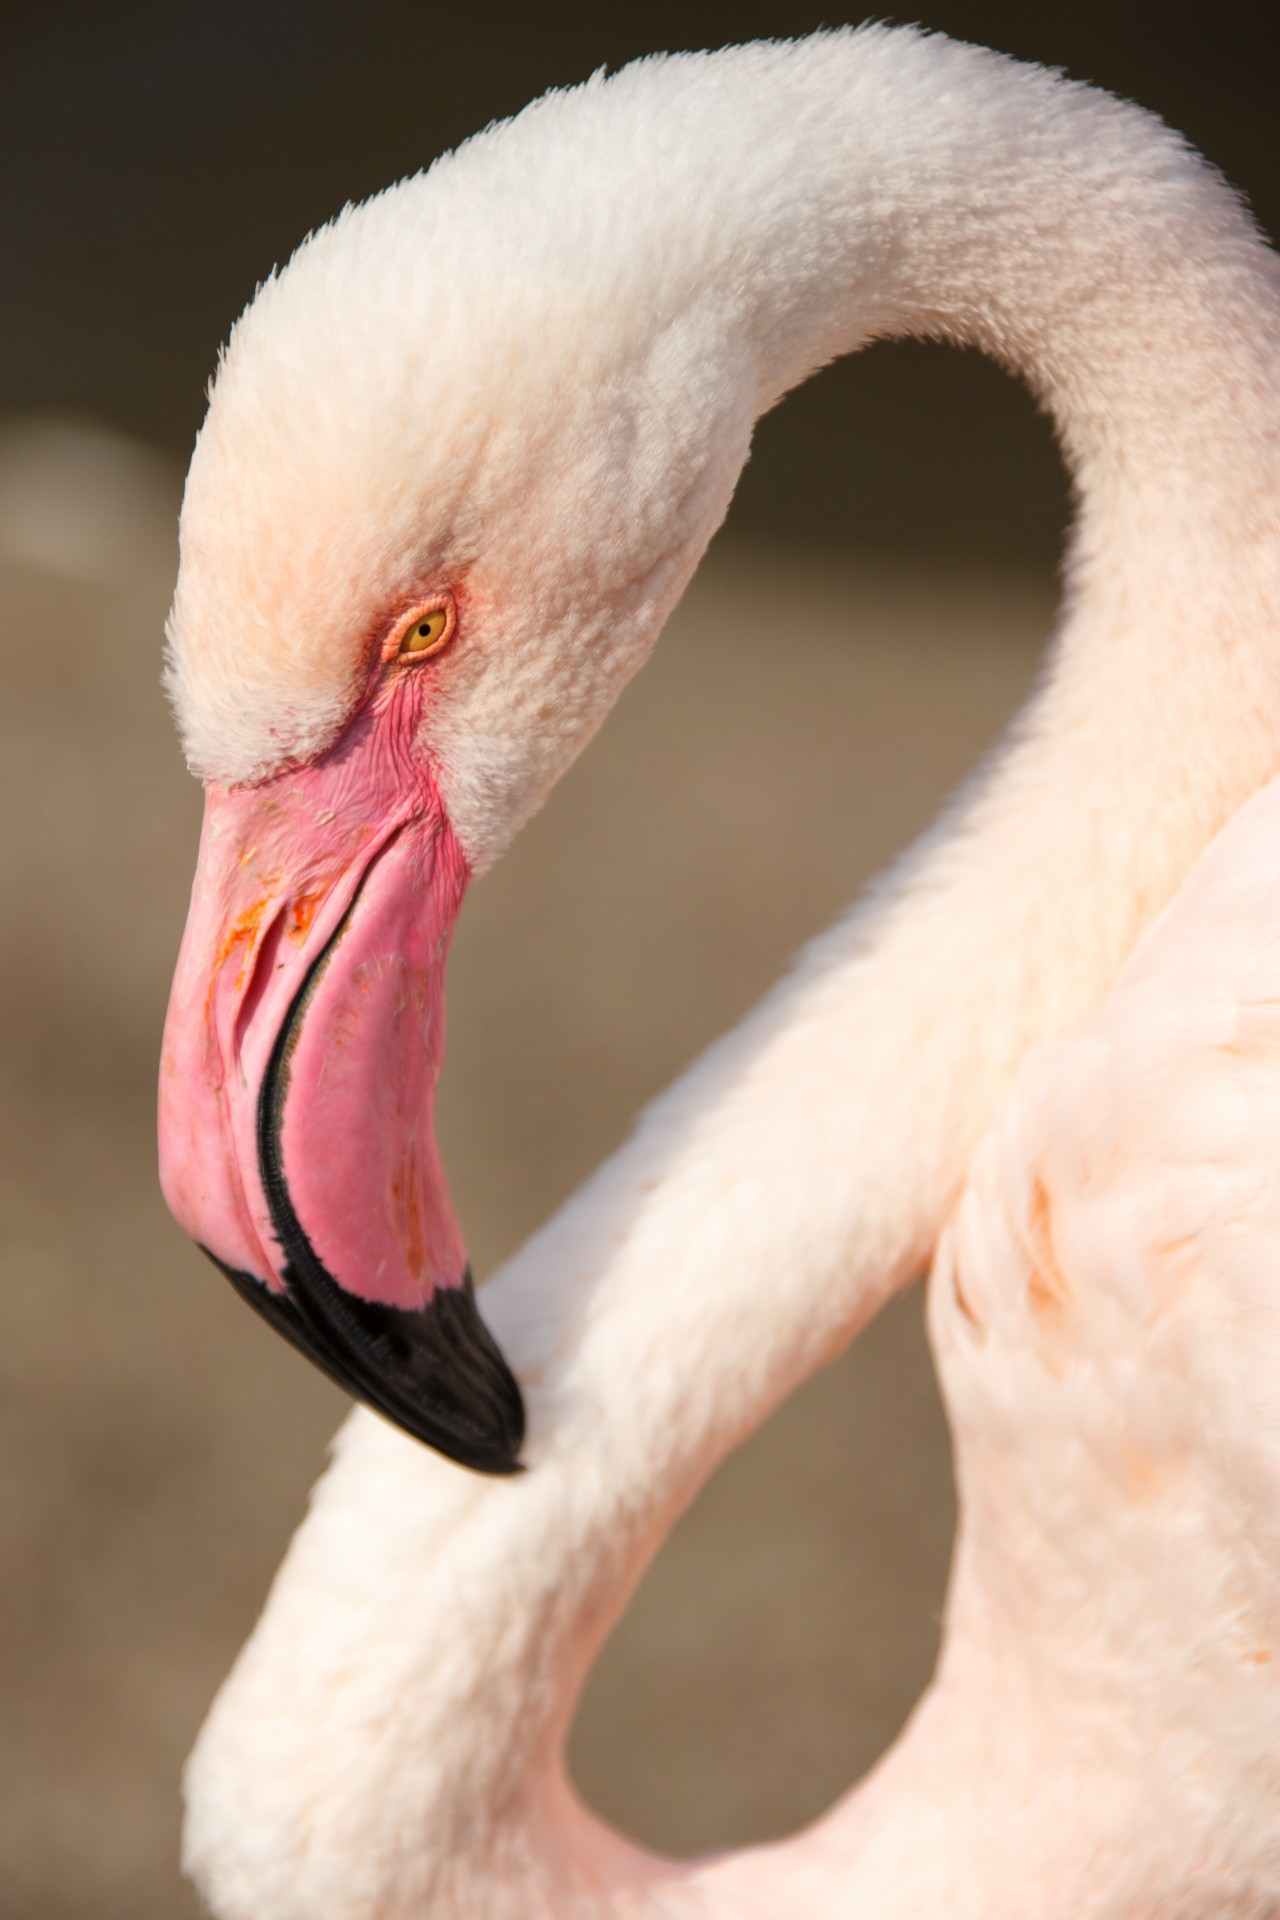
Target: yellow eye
point(427, 632)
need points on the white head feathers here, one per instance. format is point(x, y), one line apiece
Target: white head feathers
point(531, 373)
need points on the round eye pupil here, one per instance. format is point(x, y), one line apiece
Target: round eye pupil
point(427, 634)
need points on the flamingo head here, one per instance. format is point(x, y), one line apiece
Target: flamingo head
point(459, 461)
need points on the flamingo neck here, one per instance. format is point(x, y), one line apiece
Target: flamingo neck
point(803, 200)
point(389, 1742)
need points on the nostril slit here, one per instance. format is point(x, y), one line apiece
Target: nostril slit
point(264, 966)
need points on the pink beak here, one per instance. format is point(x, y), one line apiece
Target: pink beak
point(301, 1050)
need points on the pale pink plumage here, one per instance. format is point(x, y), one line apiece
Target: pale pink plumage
point(988, 1059)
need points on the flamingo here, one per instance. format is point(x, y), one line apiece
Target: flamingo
point(461, 457)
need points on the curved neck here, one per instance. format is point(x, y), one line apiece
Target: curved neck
point(417, 1665)
point(878, 183)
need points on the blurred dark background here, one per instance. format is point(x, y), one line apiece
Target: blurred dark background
point(157, 159)
point(907, 509)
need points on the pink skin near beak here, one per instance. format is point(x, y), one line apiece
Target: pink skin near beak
point(301, 1050)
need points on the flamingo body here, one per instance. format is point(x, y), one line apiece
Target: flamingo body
point(1104, 1312)
point(1041, 1056)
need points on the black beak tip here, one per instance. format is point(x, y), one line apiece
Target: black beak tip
point(436, 1371)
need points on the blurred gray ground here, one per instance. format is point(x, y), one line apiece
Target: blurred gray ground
point(799, 723)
